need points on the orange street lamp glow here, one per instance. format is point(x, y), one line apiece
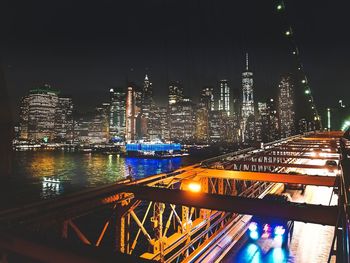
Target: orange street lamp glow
point(194, 187)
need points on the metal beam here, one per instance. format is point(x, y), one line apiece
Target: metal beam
point(325, 215)
point(329, 181)
point(269, 154)
point(294, 165)
point(293, 149)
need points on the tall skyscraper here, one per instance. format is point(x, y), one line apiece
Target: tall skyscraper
point(273, 130)
point(163, 117)
point(23, 118)
point(99, 125)
point(202, 123)
point(46, 116)
point(217, 126)
point(133, 111)
point(207, 98)
point(176, 92)
point(117, 100)
point(43, 103)
point(182, 120)
point(247, 113)
point(146, 109)
point(286, 109)
point(64, 120)
point(224, 96)
point(147, 96)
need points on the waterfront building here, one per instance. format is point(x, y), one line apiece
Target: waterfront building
point(224, 96)
point(247, 112)
point(23, 118)
point(176, 92)
point(43, 103)
point(182, 120)
point(46, 116)
point(163, 117)
point(117, 113)
point(81, 129)
point(286, 107)
point(99, 125)
point(64, 120)
point(202, 122)
point(217, 126)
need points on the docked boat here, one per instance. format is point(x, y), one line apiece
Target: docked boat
point(154, 149)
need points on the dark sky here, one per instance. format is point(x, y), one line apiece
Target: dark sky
point(84, 48)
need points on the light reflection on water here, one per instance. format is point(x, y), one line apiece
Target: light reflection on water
point(77, 171)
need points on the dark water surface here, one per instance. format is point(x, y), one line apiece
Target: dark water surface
point(75, 171)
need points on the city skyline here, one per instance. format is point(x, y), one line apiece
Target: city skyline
point(220, 114)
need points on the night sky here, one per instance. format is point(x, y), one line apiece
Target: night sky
point(84, 48)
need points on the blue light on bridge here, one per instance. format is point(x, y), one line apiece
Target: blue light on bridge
point(254, 235)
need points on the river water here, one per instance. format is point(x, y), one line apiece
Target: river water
point(75, 171)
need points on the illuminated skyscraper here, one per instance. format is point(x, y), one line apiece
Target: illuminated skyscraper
point(273, 130)
point(44, 116)
point(247, 113)
point(286, 107)
point(182, 120)
point(133, 111)
point(202, 123)
point(147, 96)
point(217, 126)
point(64, 120)
point(207, 98)
point(224, 96)
point(43, 103)
point(147, 106)
point(117, 113)
point(23, 118)
point(99, 125)
point(176, 92)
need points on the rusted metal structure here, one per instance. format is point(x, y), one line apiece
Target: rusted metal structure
point(181, 215)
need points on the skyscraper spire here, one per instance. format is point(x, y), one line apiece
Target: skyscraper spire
point(246, 61)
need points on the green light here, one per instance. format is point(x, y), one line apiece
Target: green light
point(45, 139)
point(279, 7)
point(307, 91)
point(346, 125)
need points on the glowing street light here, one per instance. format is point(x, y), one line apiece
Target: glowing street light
point(307, 91)
point(279, 7)
point(303, 81)
point(194, 187)
point(287, 33)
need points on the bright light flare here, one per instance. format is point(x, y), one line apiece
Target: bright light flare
point(279, 230)
point(254, 235)
point(253, 226)
point(194, 187)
